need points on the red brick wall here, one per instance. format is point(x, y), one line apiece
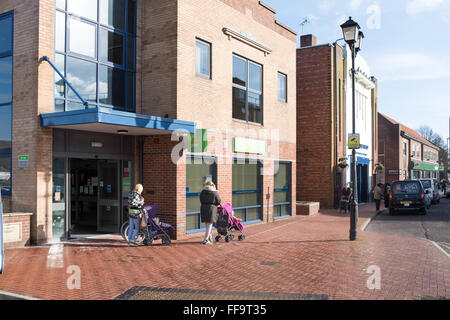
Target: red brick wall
point(389, 145)
point(315, 119)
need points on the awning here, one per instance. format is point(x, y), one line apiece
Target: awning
point(107, 120)
point(360, 160)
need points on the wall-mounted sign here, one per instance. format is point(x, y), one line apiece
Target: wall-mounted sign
point(23, 161)
point(394, 172)
point(198, 141)
point(354, 141)
point(243, 145)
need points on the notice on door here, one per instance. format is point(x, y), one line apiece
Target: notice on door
point(12, 232)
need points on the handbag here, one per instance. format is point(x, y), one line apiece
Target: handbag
point(143, 224)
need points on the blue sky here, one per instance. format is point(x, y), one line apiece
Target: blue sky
point(407, 47)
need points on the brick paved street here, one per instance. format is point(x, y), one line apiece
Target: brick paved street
point(298, 256)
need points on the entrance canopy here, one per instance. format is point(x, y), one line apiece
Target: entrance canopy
point(107, 120)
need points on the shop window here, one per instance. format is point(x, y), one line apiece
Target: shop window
point(203, 58)
point(247, 90)
point(198, 170)
point(6, 81)
point(247, 200)
point(100, 58)
point(282, 190)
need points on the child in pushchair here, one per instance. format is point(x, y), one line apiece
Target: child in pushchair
point(227, 223)
point(155, 229)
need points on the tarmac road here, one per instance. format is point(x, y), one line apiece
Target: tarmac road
point(435, 226)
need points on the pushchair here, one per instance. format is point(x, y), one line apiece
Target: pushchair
point(155, 229)
point(227, 223)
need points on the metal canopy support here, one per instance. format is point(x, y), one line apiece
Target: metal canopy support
point(45, 58)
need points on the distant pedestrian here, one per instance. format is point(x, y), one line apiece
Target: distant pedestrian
point(209, 198)
point(346, 196)
point(378, 195)
point(135, 204)
point(387, 191)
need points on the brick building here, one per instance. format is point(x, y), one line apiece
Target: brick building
point(176, 92)
point(404, 153)
point(324, 116)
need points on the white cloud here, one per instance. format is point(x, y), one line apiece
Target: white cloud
point(327, 5)
point(411, 66)
point(416, 7)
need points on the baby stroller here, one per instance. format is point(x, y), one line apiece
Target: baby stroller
point(227, 223)
point(155, 229)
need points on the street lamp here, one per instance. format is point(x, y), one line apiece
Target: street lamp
point(353, 36)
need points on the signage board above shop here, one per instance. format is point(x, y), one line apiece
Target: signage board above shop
point(243, 145)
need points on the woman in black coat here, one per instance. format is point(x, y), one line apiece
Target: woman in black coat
point(209, 198)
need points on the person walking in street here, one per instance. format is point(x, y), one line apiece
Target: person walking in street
point(378, 195)
point(209, 199)
point(135, 203)
point(387, 190)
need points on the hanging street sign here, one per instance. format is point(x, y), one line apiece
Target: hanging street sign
point(354, 141)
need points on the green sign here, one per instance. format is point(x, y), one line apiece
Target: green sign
point(243, 145)
point(198, 141)
point(24, 158)
point(23, 161)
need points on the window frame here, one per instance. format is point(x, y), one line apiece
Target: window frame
point(209, 44)
point(126, 34)
point(6, 54)
point(248, 90)
point(279, 73)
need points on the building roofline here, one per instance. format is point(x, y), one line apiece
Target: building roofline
point(316, 46)
point(285, 27)
point(267, 7)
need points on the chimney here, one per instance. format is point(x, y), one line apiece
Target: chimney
point(308, 40)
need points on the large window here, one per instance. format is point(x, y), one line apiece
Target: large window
point(247, 200)
point(282, 190)
point(95, 49)
point(247, 90)
point(203, 58)
point(6, 81)
point(198, 169)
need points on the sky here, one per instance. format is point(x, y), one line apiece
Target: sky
point(406, 45)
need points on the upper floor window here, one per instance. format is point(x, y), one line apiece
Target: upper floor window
point(203, 58)
point(6, 97)
point(95, 49)
point(247, 90)
point(282, 87)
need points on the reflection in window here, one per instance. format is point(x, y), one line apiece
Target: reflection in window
point(203, 58)
point(5, 174)
point(5, 128)
point(247, 90)
point(6, 28)
point(82, 76)
point(106, 44)
point(82, 38)
point(112, 13)
point(111, 47)
point(5, 80)
point(282, 87)
point(83, 8)
point(110, 85)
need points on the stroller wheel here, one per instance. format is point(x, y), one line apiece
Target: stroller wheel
point(227, 238)
point(241, 237)
point(218, 238)
point(140, 238)
point(148, 241)
point(166, 240)
point(232, 236)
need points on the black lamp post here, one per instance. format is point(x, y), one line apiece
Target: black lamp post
point(353, 36)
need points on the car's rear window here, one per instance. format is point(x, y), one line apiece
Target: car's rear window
point(426, 183)
point(406, 187)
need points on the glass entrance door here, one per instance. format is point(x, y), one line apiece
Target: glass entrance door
point(108, 218)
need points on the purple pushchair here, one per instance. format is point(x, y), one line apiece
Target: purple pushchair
point(227, 223)
point(155, 229)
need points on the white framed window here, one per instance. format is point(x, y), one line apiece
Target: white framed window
point(203, 58)
point(282, 87)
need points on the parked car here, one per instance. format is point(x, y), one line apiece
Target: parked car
point(409, 195)
point(433, 186)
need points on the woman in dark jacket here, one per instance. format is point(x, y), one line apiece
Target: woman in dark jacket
point(209, 198)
